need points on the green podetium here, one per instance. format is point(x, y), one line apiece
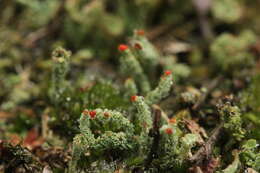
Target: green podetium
point(175, 147)
point(250, 154)
point(145, 51)
point(228, 11)
point(130, 64)
point(162, 90)
point(144, 117)
point(181, 70)
point(231, 52)
point(231, 116)
point(61, 59)
point(101, 130)
point(143, 123)
point(130, 86)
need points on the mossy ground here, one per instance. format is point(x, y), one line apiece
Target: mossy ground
point(206, 119)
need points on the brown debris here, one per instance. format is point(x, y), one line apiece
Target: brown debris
point(195, 128)
point(205, 151)
point(33, 140)
point(54, 157)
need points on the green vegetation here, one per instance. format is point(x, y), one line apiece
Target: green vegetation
point(129, 86)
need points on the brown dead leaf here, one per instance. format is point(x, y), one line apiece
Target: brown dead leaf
point(47, 169)
point(211, 165)
point(33, 139)
point(195, 169)
point(208, 167)
point(195, 128)
point(55, 157)
point(14, 139)
point(174, 47)
point(250, 170)
point(5, 115)
point(27, 111)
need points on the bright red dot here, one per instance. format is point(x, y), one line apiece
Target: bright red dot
point(122, 47)
point(172, 120)
point(168, 131)
point(133, 98)
point(167, 72)
point(92, 114)
point(140, 32)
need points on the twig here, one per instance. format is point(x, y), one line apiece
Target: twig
point(206, 28)
point(164, 116)
point(44, 123)
point(156, 138)
point(158, 31)
point(206, 150)
point(202, 8)
point(204, 96)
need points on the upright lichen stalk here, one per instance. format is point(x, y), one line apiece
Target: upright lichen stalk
point(129, 64)
point(231, 116)
point(61, 59)
point(162, 90)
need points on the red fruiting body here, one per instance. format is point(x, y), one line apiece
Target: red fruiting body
point(133, 98)
point(172, 120)
point(140, 32)
point(85, 112)
point(106, 114)
point(138, 46)
point(92, 114)
point(168, 131)
point(122, 47)
point(167, 72)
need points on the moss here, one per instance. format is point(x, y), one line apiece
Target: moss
point(227, 11)
point(231, 116)
point(230, 51)
point(186, 97)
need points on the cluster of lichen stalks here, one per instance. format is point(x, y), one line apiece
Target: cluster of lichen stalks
point(103, 130)
point(127, 136)
point(143, 137)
